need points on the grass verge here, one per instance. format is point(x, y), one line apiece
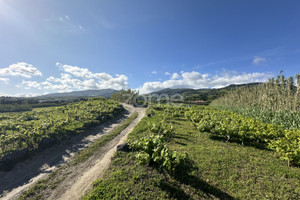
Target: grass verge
point(51, 182)
point(222, 170)
point(88, 152)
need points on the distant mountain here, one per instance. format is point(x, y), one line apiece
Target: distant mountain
point(170, 91)
point(86, 93)
point(206, 94)
point(241, 85)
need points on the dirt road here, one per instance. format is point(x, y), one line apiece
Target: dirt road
point(79, 177)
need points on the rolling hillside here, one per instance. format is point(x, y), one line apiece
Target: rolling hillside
point(207, 94)
point(86, 93)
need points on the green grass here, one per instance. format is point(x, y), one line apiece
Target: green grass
point(220, 170)
point(35, 192)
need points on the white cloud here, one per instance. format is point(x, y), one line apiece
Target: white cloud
point(26, 95)
point(20, 69)
point(154, 72)
point(197, 80)
point(175, 76)
point(258, 60)
point(76, 71)
point(76, 78)
point(103, 80)
point(5, 80)
point(20, 95)
point(4, 95)
point(30, 84)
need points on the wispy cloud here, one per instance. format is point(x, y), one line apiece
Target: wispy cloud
point(21, 69)
point(264, 53)
point(154, 72)
point(5, 80)
point(196, 80)
point(20, 95)
point(258, 60)
point(63, 25)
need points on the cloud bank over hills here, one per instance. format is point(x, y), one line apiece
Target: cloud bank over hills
point(196, 80)
point(74, 78)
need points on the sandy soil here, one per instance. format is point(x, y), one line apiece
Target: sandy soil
point(77, 179)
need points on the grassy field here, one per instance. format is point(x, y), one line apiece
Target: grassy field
point(218, 170)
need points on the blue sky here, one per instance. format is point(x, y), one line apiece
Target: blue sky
point(56, 46)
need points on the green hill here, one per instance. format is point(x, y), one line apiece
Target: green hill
point(208, 94)
point(86, 93)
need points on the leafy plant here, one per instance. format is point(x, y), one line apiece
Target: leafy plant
point(161, 128)
point(288, 146)
point(152, 149)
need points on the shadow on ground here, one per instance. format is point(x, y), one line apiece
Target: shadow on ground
point(248, 143)
point(183, 178)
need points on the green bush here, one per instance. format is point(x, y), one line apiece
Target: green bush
point(152, 150)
